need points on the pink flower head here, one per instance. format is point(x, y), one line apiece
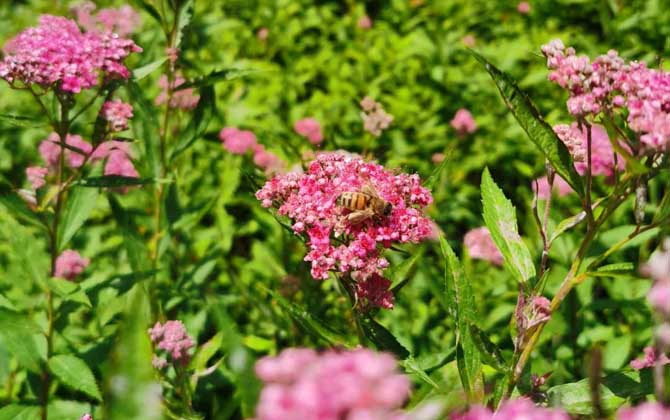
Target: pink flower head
point(310, 129)
point(374, 291)
point(480, 246)
point(237, 141)
point(437, 157)
point(644, 411)
point(650, 359)
point(70, 264)
point(463, 122)
point(310, 199)
point(117, 113)
point(602, 153)
point(518, 409)
point(173, 339)
point(364, 22)
point(118, 163)
point(75, 155)
point(57, 54)
point(469, 41)
point(263, 34)
point(36, 176)
point(375, 118)
point(523, 7)
point(356, 384)
point(181, 99)
point(106, 148)
point(561, 187)
point(86, 417)
point(122, 21)
point(267, 161)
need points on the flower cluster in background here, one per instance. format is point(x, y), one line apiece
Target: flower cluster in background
point(560, 187)
point(173, 339)
point(644, 411)
point(240, 142)
point(70, 264)
point(375, 119)
point(604, 161)
point(117, 113)
point(309, 199)
point(122, 21)
point(58, 54)
point(518, 409)
point(310, 129)
point(463, 122)
point(480, 246)
point(358, 384)
point(185, 99)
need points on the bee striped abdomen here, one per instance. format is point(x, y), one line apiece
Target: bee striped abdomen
point(353, 200)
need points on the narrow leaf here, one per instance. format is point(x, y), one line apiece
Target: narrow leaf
point(500, 218)
point(198, 124)
point(68, 291)
point(18, 208)
point(142, 72)
point(382, 338)
point(75, 373)
point(19, 412)
point(491, 354)
point(113, 181)
point(534, 125)
point(79, 205)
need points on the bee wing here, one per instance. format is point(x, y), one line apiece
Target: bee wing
point(360, 216)
point(370, 190)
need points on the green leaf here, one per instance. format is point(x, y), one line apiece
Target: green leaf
point(575, 397)
point(198, 124)
point(500, 218)
point(20, 336)
point(624, 266)
point(572, 221)
point(399, 274)
point(150, 9)
point(79, 205)
point(205, 352)
point(184, 18)
point(462, 308)
point(18, 208)
point(412, 367)
point(142, 72)
point(534, 125)
point(215, 77)
point(435, 175)
point(75, 373)
point(22, 120)
point(138, 255)
point(382, 338)
point(663, 211)
point(491, 354)
point(68, 291)
point(19, 412)
point(113, 181)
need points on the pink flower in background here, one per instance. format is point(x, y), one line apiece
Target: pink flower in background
point(356, 384)
point(649, 359)
point(104, 149)
point(561, 187)
point(437, 157)
point(375, 291)
point(644, 411)
point(50, 150)
point(173, 339)
point(181, 99)
point(469, 41)
point(263, 34)
point(57, 54)
point(375, 118)
point(35, 175)
point(310, 200)
point(237, 141)
point(480, 246)
point(70, 264)
point(267, 161)
point(364, 22)
point(122, 21)
point(118, 163)
point(310, 129)
point(463, 122)
point(86, 417)
point(602, 153)
point(523, 7)
point(117, 113)
point(518, 409)
point(658, 268)
point(573, 139)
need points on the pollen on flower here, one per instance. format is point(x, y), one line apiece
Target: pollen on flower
point(174, 340)
point(335, 244)
point(356, 384)
point(70, 264)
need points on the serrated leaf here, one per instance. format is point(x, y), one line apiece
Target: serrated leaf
point(142, 72)
point(491, 354)
point(184, 18)
point(75, 373)
point(381, 337)
point(529, 118)
point(624, 266)
point(198, 124)
point(20, 335)
point(113, 181)
point(80, 203)
point(68, 291)
point(500, 218)
point(22, 120)
point(412, 367)
point(19, 412)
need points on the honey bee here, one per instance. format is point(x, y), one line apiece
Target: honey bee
point(364, 204)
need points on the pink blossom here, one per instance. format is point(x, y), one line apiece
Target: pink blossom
point(602, 153)
point(158, 362)
point(364, 22)
point(310, 200)
point(36, 176)
point(480, 246)
point(70, 264)
point(463, 122)
point(375, 118)
point(437, 157)
point(267, 161)
point(237, 141)
point(57, 54)
point(469, 41)
point(173, 339)
point(649, 359)
point(374, 291)
point(263, 34)
point(310, 129)
point(521, 408)
point(50, 150)
point(86, 417)
point(118, 163)
point(122, 21)
point(541, 187)
point(117, 113)
point(105, 149)
point(181, 99)
point(523, 7)
point(356, 384)
point(644, 411)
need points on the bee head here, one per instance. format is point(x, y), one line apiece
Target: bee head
point(387, 209)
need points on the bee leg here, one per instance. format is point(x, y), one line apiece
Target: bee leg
point(359, 216)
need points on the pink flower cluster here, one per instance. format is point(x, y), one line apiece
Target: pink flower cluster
point(560, 186)
point(336, 244)
point(70, 264)
point(521, 408)
point(644, 411)
point(50, 150)
point(310, 129)
point(364, 22)
point(375, 119)
point(173, 338)
point(36, 175)
point(240, 142)
point(609, 84)
point(650, 358)
point(602, 154)
point(523, 7)
point(353, 385)
point(57, 54)
point(658, 268)
point(181, 99)
point(117, 113)
point(122, 21)
point(480, 246)
point(86, 417)
point(463, 122)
